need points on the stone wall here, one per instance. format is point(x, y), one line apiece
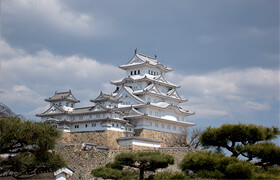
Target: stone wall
point(82, 162)
point(109, 138)
point(166, 138)
point(106, 138)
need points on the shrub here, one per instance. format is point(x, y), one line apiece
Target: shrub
point(210, 174)
point(114, 165)
point(168, 175)
point(210, 165)
point(239, 170)
point(267, 173)
point(109, 173)
point(206, 160)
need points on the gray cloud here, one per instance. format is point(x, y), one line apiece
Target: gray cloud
point(27, 79)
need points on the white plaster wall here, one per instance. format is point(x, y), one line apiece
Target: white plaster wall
point(138, 143)
point(150, 124)
point(61, 176)
point(143, 143)
point(100, 126)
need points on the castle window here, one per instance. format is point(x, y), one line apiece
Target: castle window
point(117, 125)
point(152, 72)
point(67, 103)
point(81, 117)
point(98, 116)
point(113, 124)
point(86, 125)
point(77, 126)
point(162, 125)
point(134, 72)
point(72, 105)
point(131, 73)
point(93, 124)
point(149, 72)
point(90, 116)
point(168, 126)
point(138, 71)
point(151, 123)
point(156, 124)
point(59, 104)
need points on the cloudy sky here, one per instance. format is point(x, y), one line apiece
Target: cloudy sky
point(225, 54)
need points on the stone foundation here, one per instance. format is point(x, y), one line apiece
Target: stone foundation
point(166, 138)
point(82, 162)
point(106, 138)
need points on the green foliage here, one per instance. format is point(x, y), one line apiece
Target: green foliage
point(267, 173)
point(168, 175)
point(267, 152)
point(144, 161)
point(206, 164)
point(210, 174)
point(232, 136)
point(239, 170)
point(30, 144)
point(206, 160)
point(114, 165)
point(109, 173)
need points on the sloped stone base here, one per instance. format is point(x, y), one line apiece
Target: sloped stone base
point(106, 138)
point(166, 138)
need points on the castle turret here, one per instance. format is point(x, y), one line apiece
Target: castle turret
point(146, 90)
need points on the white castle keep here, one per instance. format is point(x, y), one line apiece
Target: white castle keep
point(144, 99)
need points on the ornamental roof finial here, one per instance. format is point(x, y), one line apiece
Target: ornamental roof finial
point(135, 52)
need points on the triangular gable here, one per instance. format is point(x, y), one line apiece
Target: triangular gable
point(135, 59)
point(54, 109)
point(70, 96)
point(161, 79)
point(152, 88)
point(101, 96)
point(129, 93)
point(174, 94)
point(98, 107)
point(134, 112)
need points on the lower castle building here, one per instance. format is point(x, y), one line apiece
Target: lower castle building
point(144, 110)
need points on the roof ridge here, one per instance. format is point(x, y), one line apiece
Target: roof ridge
point(147, 56)
point(62, 92)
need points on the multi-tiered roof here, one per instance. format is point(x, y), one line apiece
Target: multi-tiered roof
point(146, 81)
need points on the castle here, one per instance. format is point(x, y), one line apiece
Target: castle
point(143, 110)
